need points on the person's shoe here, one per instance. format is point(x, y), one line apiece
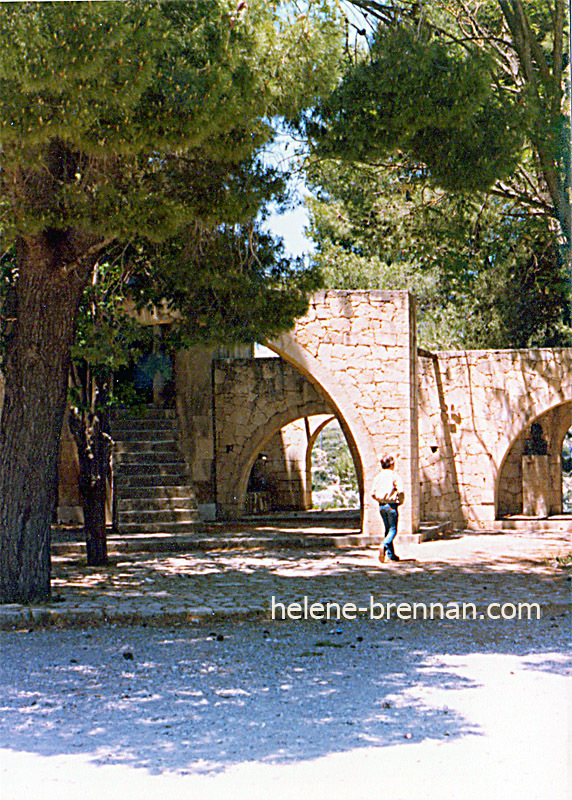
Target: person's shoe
point(382, 555)
point(393, 557)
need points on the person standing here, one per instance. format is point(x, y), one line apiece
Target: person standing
point(388, 491)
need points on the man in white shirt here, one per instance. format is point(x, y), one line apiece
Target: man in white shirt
point(388, 491)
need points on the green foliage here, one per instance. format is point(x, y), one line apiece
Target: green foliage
point(427, 98)
point(333, 470)
point(473, 92)
point(441, 165)
point(485, 274)
point(229, 284)
point(143, 126)
point(137, 118)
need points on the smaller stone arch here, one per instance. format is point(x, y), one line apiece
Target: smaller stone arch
point(232, 492)
point(555, 422)
point(318, 428)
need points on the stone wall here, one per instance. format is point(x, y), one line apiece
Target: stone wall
point(475, 409)
point(194, 398)
point(359, 349)
point(254, 400)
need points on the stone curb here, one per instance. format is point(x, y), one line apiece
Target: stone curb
point(190, 544)
point(173, 544)
point(28, 618)
point(19, 618)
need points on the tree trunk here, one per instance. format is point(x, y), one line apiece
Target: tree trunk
point(50, 283)
point(94, 447)
point(94, 523)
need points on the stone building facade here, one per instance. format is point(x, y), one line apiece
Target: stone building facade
point(457, 422)
point(475, 412)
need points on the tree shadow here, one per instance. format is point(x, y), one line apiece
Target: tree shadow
point(197, 699)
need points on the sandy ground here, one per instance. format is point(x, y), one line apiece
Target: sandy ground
point(254, 709)
point(248, 708)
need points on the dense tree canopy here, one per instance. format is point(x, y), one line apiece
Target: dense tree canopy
point(473, 91)
point(482, 277)
point(441, 164)
point(128, 122)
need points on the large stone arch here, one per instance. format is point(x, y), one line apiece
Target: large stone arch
point(359, 350)
point(357, 435)
point(354, 356)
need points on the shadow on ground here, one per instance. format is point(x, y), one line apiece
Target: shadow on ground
point(199, 699)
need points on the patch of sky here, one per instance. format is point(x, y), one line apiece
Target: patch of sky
point(289, 222)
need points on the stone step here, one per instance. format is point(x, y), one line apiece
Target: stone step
point(125, 505)
point(162, 527)
point(151, 515)
point(158, 469)
point(561, 524)
point(141, 458)
point(144, 423)
point(147, 412)
point(150, 480)
point(176, 492)
point(159, 445)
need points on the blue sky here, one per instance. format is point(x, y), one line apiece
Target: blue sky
point(290, 226)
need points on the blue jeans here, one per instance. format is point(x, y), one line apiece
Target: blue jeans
point(389, 516)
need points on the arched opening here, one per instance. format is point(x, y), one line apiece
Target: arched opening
point(334, 482)
point(338, 397)
point(567, 473)
point(282, 472)
point(532, 479)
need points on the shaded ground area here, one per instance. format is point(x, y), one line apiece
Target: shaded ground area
point(287, 710)
point(479, 568)
point(241, 706)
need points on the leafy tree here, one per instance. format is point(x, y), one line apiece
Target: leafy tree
point(475, 91)
point(485, 273)
point(108, 338)
point(121, 121)
point(242, 290)
point(444, 168)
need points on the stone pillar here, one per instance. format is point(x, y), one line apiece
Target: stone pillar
point(360, 350)
point(536, 487)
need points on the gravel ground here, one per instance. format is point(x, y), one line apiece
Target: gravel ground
point(258, 709)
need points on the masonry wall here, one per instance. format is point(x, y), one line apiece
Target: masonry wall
point(253, 400)
point(360, 348)
point(475, 409)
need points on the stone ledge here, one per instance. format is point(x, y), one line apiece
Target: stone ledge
point(25, 618)
point(17, 618)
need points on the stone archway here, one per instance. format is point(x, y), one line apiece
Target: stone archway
point(475, 409)
point(233, 501)
point(353, 356)
point(555, 423)
point(359, 351)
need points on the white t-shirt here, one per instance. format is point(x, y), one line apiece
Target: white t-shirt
point(388, 487)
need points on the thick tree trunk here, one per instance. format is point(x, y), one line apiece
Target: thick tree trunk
point(49, 287)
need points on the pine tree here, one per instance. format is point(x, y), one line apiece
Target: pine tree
point(473, 92)
point(120, 120)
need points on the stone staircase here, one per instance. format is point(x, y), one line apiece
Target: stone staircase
point(152, 490)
